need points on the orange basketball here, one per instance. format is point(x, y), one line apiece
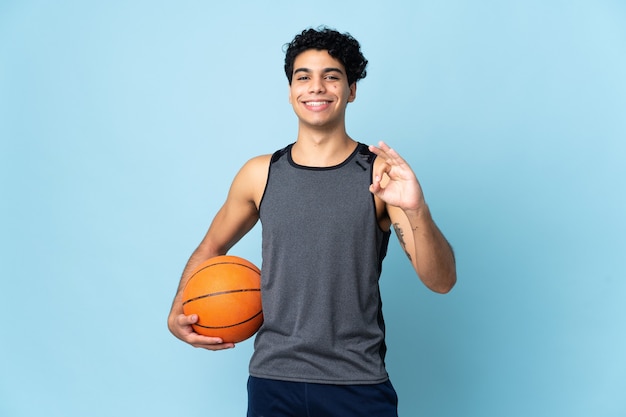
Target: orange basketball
point(225, 293)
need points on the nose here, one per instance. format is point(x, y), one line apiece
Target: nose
point(316, 86)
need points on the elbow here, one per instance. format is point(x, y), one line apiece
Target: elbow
point(444, 289)
point(443, 284)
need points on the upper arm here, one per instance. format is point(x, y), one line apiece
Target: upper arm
point(240, 211)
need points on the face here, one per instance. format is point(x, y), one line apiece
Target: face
point(319, 90)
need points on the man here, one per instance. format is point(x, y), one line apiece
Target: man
point(326, 205)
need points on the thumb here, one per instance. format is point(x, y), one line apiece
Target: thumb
point(184, 320)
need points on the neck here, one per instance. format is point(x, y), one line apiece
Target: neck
point(321, 149)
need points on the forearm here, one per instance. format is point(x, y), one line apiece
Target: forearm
point(181, 325)
point(228, 226)
point(432, 256)
point(201, 254)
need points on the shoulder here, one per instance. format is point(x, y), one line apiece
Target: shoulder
point(254, 169)
point(250, 181)
point(364, 152)
point(257, 163)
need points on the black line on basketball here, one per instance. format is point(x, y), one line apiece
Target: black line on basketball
point(224, 263)
point(230, 325)
point(213, 294)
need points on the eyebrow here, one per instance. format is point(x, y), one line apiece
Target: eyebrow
point(325, 70)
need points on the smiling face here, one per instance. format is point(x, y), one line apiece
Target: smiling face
point(319, 91)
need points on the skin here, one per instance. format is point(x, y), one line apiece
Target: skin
point(319, 94)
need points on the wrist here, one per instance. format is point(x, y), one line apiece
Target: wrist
point(420, 212)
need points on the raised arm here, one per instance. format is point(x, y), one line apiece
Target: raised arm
point(428, 250)
point(234, 219)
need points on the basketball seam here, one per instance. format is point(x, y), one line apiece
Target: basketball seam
point(213, 294)
point(230, 325)
point(225, 263)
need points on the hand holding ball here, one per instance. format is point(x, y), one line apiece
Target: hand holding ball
point(225, 293)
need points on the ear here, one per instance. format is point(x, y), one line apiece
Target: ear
point(352, 95)
point(289, 94)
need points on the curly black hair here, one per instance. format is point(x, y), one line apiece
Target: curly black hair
point(341, 46)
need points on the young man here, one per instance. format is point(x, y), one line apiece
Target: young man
point(326, 205)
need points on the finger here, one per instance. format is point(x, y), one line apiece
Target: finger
point(375, 185)
point(184, 320)
point(383, 145)
point(376, 189)
point(205, 342)
point(382, 170)
point(208, 342)
point(392, 156)
point(378, 150)
point(386, 153)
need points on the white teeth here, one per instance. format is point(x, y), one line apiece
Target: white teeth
point(316, 103)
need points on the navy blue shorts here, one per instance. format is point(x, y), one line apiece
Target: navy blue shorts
point(272, 398)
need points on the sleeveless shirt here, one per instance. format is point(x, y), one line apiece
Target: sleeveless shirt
point(322, 253)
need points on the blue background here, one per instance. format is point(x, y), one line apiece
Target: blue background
point(123, 123)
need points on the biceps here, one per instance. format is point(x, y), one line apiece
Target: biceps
point(240, 212)
point(230, 224)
